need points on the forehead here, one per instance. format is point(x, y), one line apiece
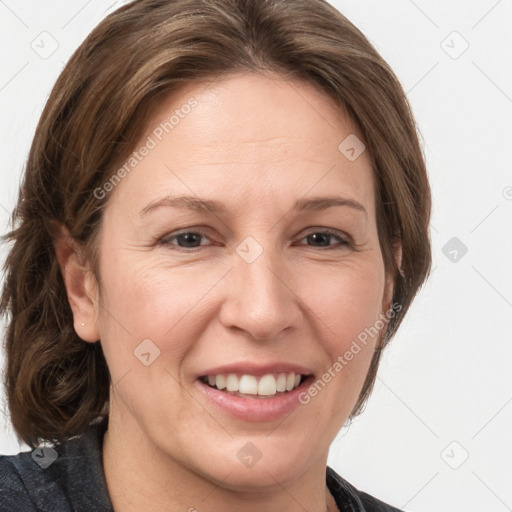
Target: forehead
point(247, 137)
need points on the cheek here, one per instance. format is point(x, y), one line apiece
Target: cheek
point(144, 298)
point(347, 299)
point(348, 303)
point(348, 306)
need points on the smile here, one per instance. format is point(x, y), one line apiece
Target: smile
point(251, 386)
point(247, 397)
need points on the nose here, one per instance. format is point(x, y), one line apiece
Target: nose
point(260, 296)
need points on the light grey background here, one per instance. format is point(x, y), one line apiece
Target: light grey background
point(436, 433)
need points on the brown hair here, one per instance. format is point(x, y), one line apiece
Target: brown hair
point(57, 383)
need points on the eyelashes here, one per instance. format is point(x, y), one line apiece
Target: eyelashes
point(194, 237)
point(327, 235)
point(167, 239)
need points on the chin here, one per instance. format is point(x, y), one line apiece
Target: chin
point(259, 464)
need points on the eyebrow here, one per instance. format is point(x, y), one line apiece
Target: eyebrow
point(216, 207)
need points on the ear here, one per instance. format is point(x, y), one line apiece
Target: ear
point(81, 286)
point(397, 253)
point(390, 278)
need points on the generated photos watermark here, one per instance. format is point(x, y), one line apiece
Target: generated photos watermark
point(343, 360)
point(152, 141)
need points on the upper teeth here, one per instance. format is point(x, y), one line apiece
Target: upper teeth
point(268, 384)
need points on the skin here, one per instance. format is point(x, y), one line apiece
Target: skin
point(257, 144)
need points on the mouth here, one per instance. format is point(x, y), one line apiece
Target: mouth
point(270, 385)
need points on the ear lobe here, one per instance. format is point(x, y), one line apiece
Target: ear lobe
point(81, 286)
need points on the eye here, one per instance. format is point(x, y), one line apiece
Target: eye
point(193, 239)
point(323, 238)
point(185, 239)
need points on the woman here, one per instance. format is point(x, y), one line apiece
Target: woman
point(223, 220)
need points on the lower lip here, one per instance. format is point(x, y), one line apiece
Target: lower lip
point(255, 409)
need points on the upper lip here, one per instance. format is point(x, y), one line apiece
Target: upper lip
point(256, 369)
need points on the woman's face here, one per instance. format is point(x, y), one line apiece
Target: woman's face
point(257, 287)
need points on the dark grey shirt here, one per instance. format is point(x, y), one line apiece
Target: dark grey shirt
point(70, 477)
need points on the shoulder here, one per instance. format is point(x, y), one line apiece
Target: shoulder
point(66, 476)
point(14, 496)
point(347, 495)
